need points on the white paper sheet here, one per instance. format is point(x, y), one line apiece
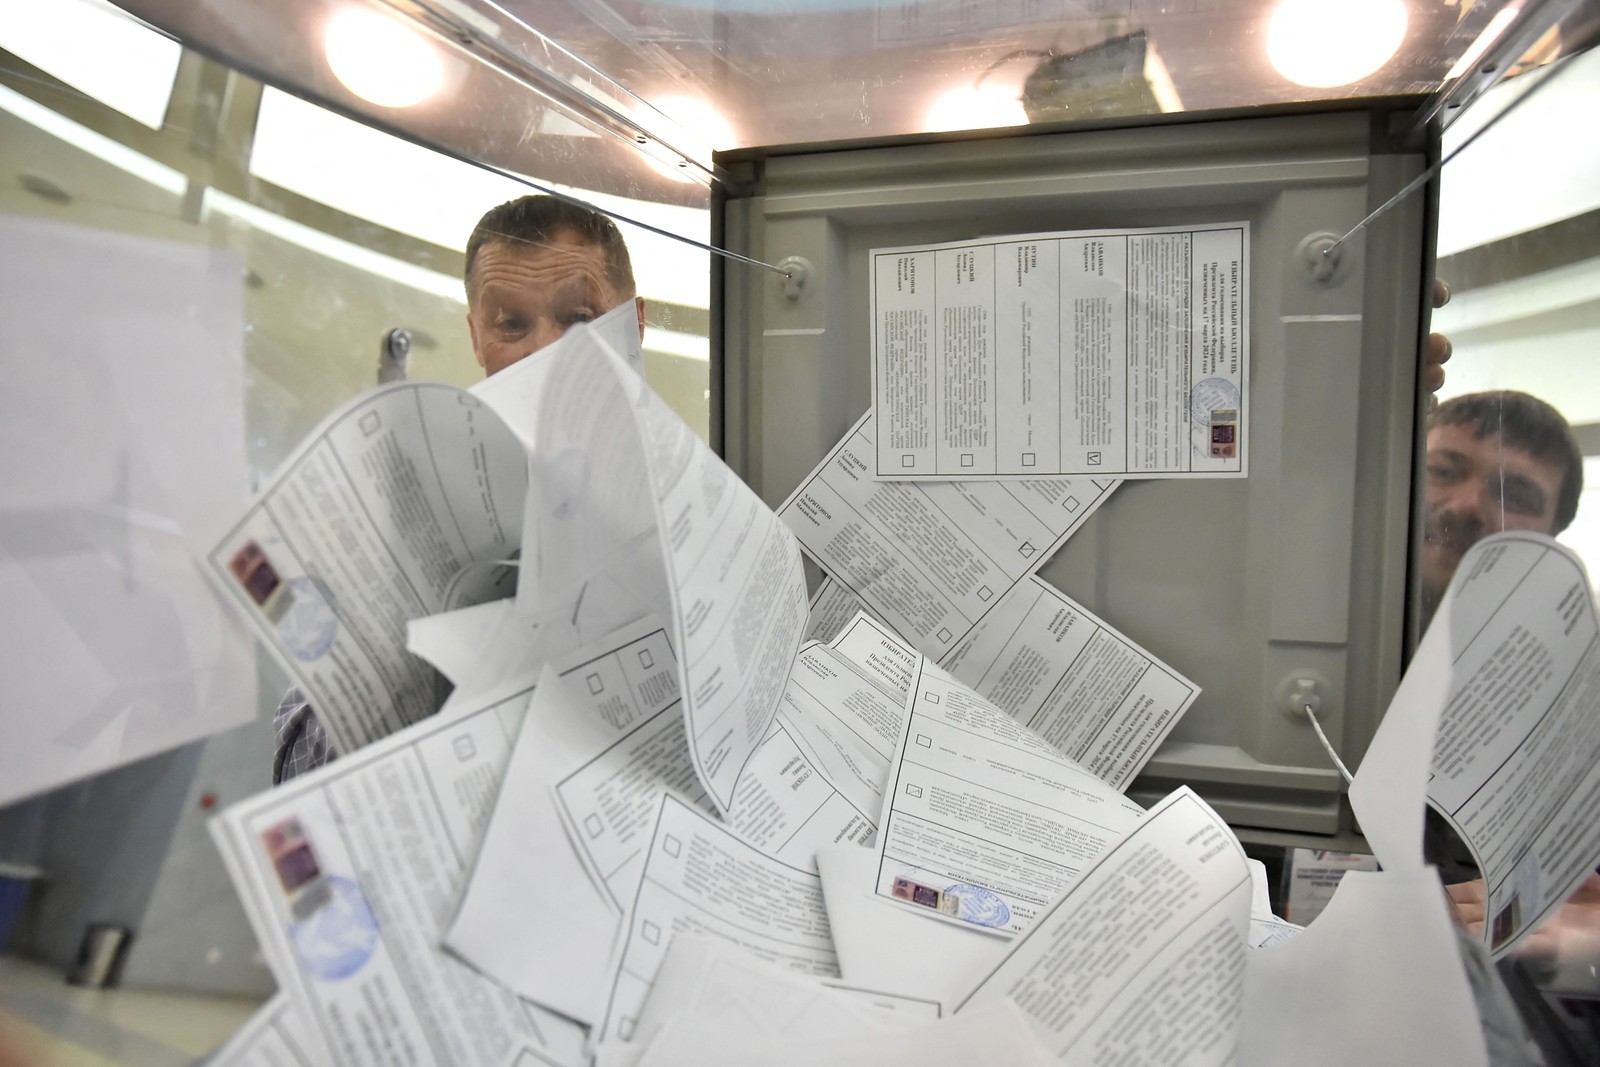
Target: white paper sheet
point(844, 707)
point(706, 977)
point(121, 434)
point(983, 822)
point(1073, 679)
point(376, 520)
point(1271, 931)
point(832, 605)
point(557, 954)
point(583, 789)
point(1142, 960)
point(629, 502)
point(349, 876)
point(700, 878)
point(272, 1037)
point(1102, 352)
point(884, 946)
point(932, 560)
point(1510, 671)
point(1376, 979)
point(992, 1034)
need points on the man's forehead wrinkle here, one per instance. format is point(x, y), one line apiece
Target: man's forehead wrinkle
point(510, 276)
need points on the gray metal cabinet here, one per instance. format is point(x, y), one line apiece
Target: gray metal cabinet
point(1300, 570)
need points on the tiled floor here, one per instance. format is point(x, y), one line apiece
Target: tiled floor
point(58, 1025)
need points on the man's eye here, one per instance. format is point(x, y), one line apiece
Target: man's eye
point(1523, 500)
point(513, 325)
point(1443, 472)
point(580, 315)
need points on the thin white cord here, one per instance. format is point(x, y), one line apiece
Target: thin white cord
point(1328, 745)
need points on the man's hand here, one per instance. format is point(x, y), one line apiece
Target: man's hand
point(1436, 353)
point(1571, 934)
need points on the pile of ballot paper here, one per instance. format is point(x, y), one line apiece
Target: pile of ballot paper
point(673, 813)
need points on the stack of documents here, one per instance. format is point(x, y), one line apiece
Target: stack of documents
point(670, 813)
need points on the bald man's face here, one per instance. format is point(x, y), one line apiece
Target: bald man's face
point(524, 296)
point(1477, 486)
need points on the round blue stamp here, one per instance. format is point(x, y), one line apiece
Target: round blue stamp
point(337, 939)
point(308, 624)
point(1209, 395)
point(979, 906)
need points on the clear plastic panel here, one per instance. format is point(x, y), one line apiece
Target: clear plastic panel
point(748, 73)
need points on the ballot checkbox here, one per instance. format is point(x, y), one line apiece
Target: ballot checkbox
point(1026, 549)
point(465, 748)
point(924, 741)
point(1072, 504)
point(593, 825)
point(671, 846)
point(908, 460)
point(650, 932)
point(370, 423)
point(597, 684)
point(944, 637)
point(1094, 459)
point(966, 459)
point(913, 790)
point(1028, 459)
point(646, 660)
point(930, 697)
point(984, 592)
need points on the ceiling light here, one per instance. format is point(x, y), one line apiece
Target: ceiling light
point(1324, 43)
point(975, 107)
point(380, 59)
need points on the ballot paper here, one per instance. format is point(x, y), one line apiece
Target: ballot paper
point(710, 977)
point(490, 651)
point(1510, 672)
point(401, 504)
point(628, 502)
point(600, 748)
point(983, 821)
point(1054, 666)
point(1265, 927)
point(833, 605)
point(994, 1033)
point(1111, 353)
point(1142, 960)
point(557, 954)
point(349, 875)
point(931, 560)
point(699, 878)
point(844, 707)
point(884, 946)
point(1074, 680)
point(272, 1037)
point(1271, 931)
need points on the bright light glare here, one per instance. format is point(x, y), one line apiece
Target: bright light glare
point(97, 49)
point(975, 108)
point(1323, 43)
point(700, 128)
point(381, 60)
